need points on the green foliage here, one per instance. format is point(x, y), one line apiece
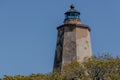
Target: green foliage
point(96, 68)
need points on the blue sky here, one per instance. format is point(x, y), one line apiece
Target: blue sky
point(28, 31)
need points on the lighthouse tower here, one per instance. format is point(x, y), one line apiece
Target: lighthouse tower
point(73, 40)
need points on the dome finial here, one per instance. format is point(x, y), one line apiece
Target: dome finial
point(72, 6)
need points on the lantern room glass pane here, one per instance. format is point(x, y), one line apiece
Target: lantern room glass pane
point(72, 15)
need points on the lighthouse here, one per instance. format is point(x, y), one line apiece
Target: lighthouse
point(73, 40)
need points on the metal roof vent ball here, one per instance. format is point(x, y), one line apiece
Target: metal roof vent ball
point(72, 6)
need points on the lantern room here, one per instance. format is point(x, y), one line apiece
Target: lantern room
point(72, 13)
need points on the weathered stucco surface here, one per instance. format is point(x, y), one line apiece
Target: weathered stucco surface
point(83, 44)
point(73, 43)
point(72, 21)
point(59, 49)
point(69, 45)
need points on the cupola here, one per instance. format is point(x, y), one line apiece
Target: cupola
point(72, 16)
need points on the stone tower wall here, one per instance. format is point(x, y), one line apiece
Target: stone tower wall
point(59, 49)
point(69, 45)
point(83, 44)
point(73, 44)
